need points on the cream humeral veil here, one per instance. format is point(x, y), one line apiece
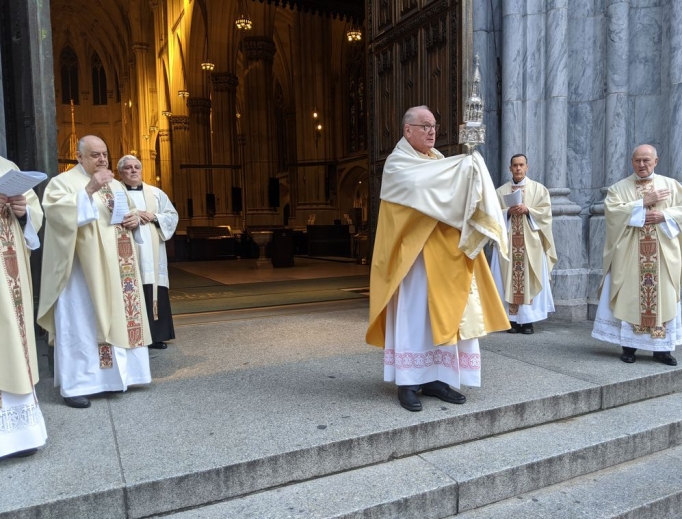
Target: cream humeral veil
point(446, 209)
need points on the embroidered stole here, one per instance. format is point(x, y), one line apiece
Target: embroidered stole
point(649, 265)
point(10, 267)
point(518, 258)
point(150, 206)
point(132, 298)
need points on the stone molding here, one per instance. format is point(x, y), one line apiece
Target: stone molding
point(199, 105)
point(259, 48)
point(225, 82)
point(140, 46)
point(179, 122)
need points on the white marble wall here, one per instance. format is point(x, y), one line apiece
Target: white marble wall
point(583, 82)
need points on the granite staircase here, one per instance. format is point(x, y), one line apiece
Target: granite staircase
point(286, 416)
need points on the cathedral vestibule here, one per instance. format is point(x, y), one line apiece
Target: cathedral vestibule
point(235, 124)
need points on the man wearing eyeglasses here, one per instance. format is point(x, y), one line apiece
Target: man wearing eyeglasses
point(431, 292)
point(523, 279)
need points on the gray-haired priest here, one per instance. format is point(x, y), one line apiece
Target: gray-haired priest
point(158, 219)
point(639, 304)
point(91, 299)
point(22, 428)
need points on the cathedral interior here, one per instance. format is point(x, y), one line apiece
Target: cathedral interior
point(252, 114)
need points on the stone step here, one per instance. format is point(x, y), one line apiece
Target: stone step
point(465, 477)
point(261, 403)
point(647, 488)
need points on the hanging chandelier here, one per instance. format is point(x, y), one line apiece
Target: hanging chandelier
point(243, 21)
point(354, 34)
point(207, 65)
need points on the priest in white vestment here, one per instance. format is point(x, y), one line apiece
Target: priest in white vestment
point(158, 220)
point(22, 427)
point(639, 303)
point(431, 292)
point(91, 299)
point(523, 280)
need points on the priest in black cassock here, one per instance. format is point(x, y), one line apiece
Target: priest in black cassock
point(158, 220)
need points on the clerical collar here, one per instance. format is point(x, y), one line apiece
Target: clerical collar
point(522, 183)
point(130, 188)
point(650, 177)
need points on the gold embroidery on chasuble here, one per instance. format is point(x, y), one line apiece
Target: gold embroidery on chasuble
point(649, 265)
point(10, 267)
point(132, 293)
point(106, 360)
point(518, 259)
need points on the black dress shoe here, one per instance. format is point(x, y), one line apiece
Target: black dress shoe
point(515, 328)
point(408, 399)
point(444, 392)
point(628, 355)
point(158, 345)
point(21, 454)
point(79, 402)
point(527, 329)
point(665, 358)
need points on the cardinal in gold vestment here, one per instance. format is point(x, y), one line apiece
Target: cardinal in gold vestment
point(431, 291)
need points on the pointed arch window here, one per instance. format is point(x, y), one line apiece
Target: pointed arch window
point(68, 64)
point(99, 81)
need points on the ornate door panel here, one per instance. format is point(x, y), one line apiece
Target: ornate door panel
point(414, 59)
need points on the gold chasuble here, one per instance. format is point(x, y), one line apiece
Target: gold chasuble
point(108, 258)
point(19, 368)
point(447, 210)
point(522, 271)
point(645, 265)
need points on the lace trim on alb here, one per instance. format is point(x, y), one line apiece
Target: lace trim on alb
point(19, 417)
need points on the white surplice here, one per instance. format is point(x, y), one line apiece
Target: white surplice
point(410, 357)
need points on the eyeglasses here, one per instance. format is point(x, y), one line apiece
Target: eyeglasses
point(428, 127)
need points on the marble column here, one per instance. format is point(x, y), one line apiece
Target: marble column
point(200, 153)
point(258, 119)
point(224, 136)
point(616, 152)
point(181, 187)
point(165, 164)
point(675, 138)
point(569, 278)
point(513, 66)
point(487, 40)
point(143, 110)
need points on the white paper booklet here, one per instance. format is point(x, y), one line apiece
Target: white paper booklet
point(16, 182)
point(120, 207)
point(513, 199)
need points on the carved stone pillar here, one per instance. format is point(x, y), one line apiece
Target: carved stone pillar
point(143, 110)
point(200, 153)
point(616, 135)
point(258, 119)
point(570, 276)
point(224, 135)
point(181, 188)
point(165, 170)
point(675, 138)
